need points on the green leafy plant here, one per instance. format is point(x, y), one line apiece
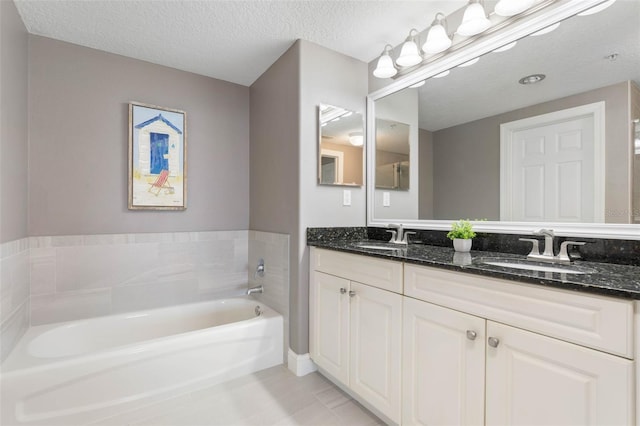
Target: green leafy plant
point(461, 229)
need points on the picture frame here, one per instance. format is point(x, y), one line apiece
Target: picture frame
point(157, 158)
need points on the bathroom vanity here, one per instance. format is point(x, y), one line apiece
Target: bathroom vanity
point(421, 337)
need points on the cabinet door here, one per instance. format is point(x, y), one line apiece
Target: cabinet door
point(376, 339)
point(443, 366)
point(329, 331)
point(537, 380)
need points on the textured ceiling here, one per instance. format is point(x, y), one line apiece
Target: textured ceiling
point(230, 40)
point(573, 58)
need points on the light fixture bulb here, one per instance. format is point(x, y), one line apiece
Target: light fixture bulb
point(437, 38)
point(442, 74)
point(598, 8)
point(474, 20)
point(385, 67)
point(356, 139)
point(409, 54)
point(512, 7)
point(506, 47)
point(545, 30)
point(469, 63)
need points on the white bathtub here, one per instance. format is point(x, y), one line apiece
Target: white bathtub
point(82, 371)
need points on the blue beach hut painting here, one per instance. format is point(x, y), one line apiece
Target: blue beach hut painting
point(157, 158)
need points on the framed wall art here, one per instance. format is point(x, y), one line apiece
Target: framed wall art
point(157, 158)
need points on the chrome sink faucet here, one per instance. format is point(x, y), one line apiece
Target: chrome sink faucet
point(548, 255)
point(548, 241)
point(398, 235)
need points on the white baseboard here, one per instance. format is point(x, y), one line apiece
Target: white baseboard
point(300, 365)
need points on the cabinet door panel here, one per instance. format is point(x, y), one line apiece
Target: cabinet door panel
point(443, 369)
point(376, 330)
point(329, 331)
point(537, 380)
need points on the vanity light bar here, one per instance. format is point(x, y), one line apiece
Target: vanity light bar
point(474, 23)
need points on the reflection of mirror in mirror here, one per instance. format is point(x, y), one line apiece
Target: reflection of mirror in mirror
point(392, 155)
point(563, 143)
point(340, 157)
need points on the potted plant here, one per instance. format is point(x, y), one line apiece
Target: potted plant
point(461, 233)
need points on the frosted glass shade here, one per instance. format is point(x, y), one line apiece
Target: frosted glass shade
point(385, 68)
point(437, 40)
point(409, 54)
point(512, 7)
point(356, 138)
point(474, 20)
point(596, 9)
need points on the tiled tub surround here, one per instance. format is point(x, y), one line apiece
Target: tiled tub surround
point(274, 250)
point(14, 293)
point(75, 277)
point(619, 280)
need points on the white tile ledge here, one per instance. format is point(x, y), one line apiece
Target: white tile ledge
point(11, 248)
point(136, 238)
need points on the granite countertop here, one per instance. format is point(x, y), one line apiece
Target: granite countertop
point(601, 278)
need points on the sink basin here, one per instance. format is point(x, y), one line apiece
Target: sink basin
point(381, 247)
point(527, 265)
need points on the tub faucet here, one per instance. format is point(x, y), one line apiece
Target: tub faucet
point(257, 289)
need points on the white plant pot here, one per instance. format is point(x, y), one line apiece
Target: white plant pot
point(462, 245)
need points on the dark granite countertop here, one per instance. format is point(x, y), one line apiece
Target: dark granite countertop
point(607, 279)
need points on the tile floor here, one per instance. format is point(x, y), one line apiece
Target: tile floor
point(270, 397)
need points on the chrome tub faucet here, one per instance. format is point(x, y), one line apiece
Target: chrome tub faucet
point(257, 289)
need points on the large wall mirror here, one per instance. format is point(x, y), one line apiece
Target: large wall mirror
point(340, 147)
point(538, 134)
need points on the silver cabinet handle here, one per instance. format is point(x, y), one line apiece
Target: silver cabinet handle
point(352, 293)
point(493, 342)
point(471, 335)
point(343, 290)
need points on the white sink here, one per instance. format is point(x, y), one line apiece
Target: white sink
point(380, 247)
point(534, 266)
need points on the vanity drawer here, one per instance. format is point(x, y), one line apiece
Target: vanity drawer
point(384, 274)
point(597, 322)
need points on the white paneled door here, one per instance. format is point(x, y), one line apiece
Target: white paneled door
point(553, 172)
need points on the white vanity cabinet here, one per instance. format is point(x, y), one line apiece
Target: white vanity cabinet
point(356, 328)
point(443, 366)
point(463, 365)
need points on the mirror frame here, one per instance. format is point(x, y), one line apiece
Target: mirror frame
point(552, 13)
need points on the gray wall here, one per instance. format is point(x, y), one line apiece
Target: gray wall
point(285, 195)
point(467, 158)
point(425, 177)
point(13, 124)
point(78, 112)
point(331, 78)
point(274, 159)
